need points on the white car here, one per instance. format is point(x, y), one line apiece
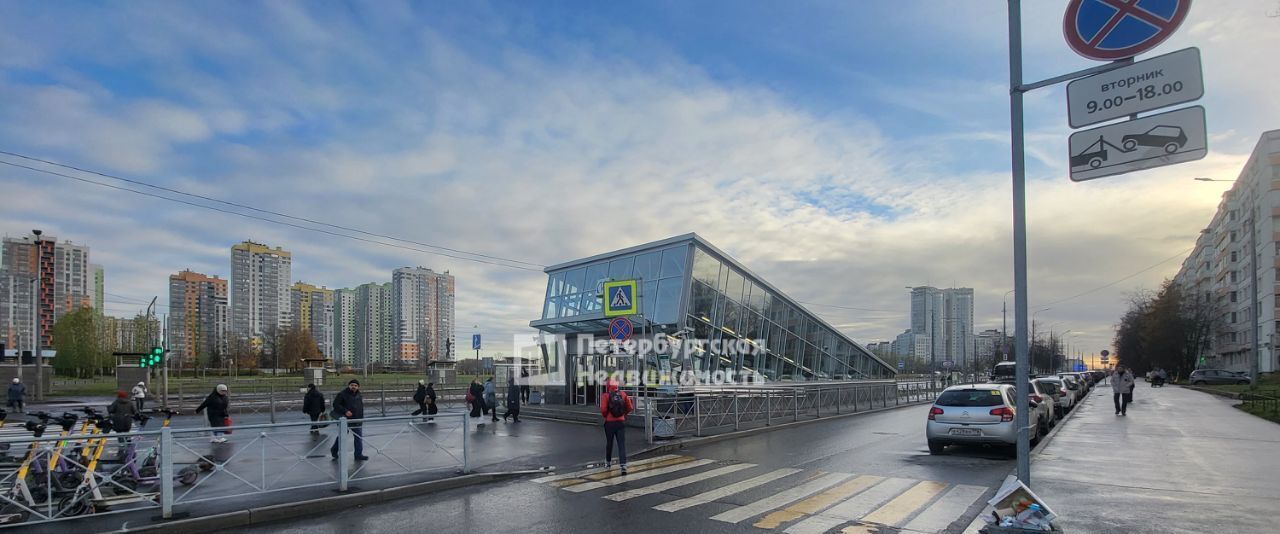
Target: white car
point(1074, 386)
point(976, 414)
point(1064, 398)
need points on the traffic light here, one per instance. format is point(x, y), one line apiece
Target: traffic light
point(155, 358)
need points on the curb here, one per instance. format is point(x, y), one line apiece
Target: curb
point(313, 507)
point(1212, 391)
point(703, 440)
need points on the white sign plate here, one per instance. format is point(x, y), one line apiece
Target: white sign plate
point(1164, 139)
point(1161, 81)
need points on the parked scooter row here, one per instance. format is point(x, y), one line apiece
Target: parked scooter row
point(76, 475)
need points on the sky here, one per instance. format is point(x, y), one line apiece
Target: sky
point(841, 150)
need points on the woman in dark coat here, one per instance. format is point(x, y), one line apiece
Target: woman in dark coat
point(313, 406)
point(216, 407)
point(431, 400)
point(513, 401)
point(476, 392)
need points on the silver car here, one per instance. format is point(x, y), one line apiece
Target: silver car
point(1065, 400)
point(1045, 394)
point(976, 414)
point(1074, 386)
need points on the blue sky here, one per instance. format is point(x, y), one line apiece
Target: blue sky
point(842, 149)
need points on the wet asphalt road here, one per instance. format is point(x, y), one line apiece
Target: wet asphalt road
point(887, 444)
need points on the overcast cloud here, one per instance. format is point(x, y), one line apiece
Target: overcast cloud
point(841, 150)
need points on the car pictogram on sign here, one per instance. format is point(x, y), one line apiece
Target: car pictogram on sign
point(1171, 138)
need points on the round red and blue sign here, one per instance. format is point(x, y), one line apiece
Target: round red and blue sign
point(1107, 30)
point(620, 329)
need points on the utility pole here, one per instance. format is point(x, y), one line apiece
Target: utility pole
point(1253, 283)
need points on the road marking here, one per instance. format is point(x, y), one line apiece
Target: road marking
point(950, 507)
point(817, 502)
point(615, 473)
point(742, 513)
point(664, 486)
point(638, 476)
point(725, 491)
point(853, 508)
point(576, 474)
point(902, 506)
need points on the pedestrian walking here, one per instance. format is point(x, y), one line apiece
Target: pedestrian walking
point(524, 385)
point(513, 401)
point(614, 407)
point(475, 398)
point(216, 407)
point(431, 401)
point(17, 394)
point(313, 406)
point(140, 395)
point(348, 403)
point(420, 397)
point(122, 411)
point(1122, 389)
point(491, 399)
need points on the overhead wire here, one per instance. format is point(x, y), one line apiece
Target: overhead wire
point(265, 219)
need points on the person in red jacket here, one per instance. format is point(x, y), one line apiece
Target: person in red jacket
point(614, 406)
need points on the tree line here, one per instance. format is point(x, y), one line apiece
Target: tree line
point(1168, 329)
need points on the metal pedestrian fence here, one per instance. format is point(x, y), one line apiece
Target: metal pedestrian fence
point(60, 475)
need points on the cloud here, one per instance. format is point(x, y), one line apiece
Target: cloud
point(472, 138)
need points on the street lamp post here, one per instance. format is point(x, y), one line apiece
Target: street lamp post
point(36, 313)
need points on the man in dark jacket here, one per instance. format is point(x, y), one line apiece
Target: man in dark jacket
point(17, 394)
point(431, 400)
point(313, 405)
point(348, 403)
point(122, 412)
point(216, 406)
point(524, 385)
point(420, 397)
point(513, 401)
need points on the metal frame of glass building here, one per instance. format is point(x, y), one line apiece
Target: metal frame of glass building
point(692, 290)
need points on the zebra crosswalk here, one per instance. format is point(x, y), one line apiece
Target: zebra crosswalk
point(796, 501)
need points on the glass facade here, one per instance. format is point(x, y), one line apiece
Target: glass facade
point(692, 290)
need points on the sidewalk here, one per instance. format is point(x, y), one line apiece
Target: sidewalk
point(1181, 461)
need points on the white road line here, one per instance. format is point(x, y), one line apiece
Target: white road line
point(585, 472)
point(725, 491)
point(777, 500)
point(853, 508)
point(683, 481)
point(947, 509)
point(637, 476)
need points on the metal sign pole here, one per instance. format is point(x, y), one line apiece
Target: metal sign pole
point(1019, 239)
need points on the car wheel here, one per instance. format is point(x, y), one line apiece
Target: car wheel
point(1095, 163)
point(936, 448)
point(1198, 383)
point(1042, 428)
point(1130, 144)
point(1171, 148)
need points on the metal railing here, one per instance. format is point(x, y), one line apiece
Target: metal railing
point(58, 477)
point(1267, 403)
point(710, 410)
point(273, 400)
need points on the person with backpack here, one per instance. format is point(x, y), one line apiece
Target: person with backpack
point(491, 399)
point(614, 407)
point(420, 397)
point(122, 411)
point(348, 403)
point(513, 401)
point(432, 409)
point(313, 406)
point(17, 394)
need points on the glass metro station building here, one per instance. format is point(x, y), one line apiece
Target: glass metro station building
point(691, 290)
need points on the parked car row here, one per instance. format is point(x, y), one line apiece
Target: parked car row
point(983, 414)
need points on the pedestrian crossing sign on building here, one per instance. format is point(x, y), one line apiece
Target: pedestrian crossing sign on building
point(620, 298)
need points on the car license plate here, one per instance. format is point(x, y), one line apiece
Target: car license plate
point(965, 432)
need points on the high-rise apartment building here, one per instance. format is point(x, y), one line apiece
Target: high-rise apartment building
point(344, 327)
point(1241, 246)
point(942, 321)
point(373, 319)
point(260, 297)
point(197, 317)
point(422, 304)
point(312, 310)
point(65, 285)
point(99, 288)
